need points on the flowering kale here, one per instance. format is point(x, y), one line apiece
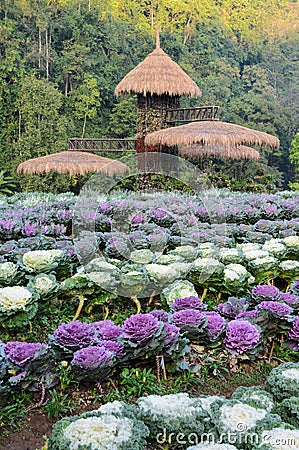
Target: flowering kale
point(188, 303)
point(171, 333)
point(93, 362)
point(140, 328)
point(215, 325)
point(242, 337)
point(91, 357)
point(160, 314)
point(73, 336)
point(290, 299)
point(107, 329)
point(20, 353)
point(252, 314)
point(293, 335)
point(263, 292)
point(280, 309)
point(114, 347)
point(233, 307)
point(188, 317)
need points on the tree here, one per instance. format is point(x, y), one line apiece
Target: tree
point(86, 99)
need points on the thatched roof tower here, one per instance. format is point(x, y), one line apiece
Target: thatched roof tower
point(73, 163)
point(159, 82)
point(158, 75)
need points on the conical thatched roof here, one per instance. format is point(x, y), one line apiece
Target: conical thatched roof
point(197, 151)
point(74, 163)
point(158, 74)
point(210, 132)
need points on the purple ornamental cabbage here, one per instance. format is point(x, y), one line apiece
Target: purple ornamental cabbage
point(241, 336)
point(75, 335)
point(252, 314)
point(216, 324)
point(20, 353)
point(160, 314)
point(92, 358)
point(107, 330)
point(290, 299)
point(293, 335)
point(171, 333)
point(188, 317)
point(191, 302)
point(233, 306)
point(140, 328)
point(282, 309)
point(114, 347)
point(263, 292)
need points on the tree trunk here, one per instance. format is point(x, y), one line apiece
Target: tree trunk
point(47, 55)
point(39, 49)
point(20, 124)
point(84, 125)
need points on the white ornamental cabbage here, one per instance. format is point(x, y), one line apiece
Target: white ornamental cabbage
point(231, 416)
point(280, 439)
point(172, 405)
point(231, 255)
point(14, 298)
point(292, 374)
point(179, 289)
point(7, 271)
point(276, 247)
point(162, 274)
point(289, 269)
point(208, 250)
point(106, 432)
point(142, 256)
point(39, 260)
point(292, 242)
point(256, 254)
point(207, 401)
point(187, 252)
point(43, 284)
point(264, 264)
point(112, 407)
point(249, 247)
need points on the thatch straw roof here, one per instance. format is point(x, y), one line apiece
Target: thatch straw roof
point(74, 163)
point(158, 74)
point(198, 151)
point(210, 132)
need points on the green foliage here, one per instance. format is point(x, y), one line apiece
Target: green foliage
point(59, 404)
point(7, 184)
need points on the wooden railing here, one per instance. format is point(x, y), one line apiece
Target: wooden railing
point(101, 145)
point(176, 115)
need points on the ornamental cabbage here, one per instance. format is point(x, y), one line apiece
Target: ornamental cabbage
point(72, 336)
point(243, 337)
point(179, 289)
point(42, 260)
point(283, 381)
point(98, 431)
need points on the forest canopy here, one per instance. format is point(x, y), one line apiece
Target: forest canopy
point(61, 61)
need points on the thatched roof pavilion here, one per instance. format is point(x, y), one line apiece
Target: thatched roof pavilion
point(210, 132)
point(198, 151)
point(73, 163)
point(159, 82)
point(158, 75)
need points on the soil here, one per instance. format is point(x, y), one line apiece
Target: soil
point(30, 436)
